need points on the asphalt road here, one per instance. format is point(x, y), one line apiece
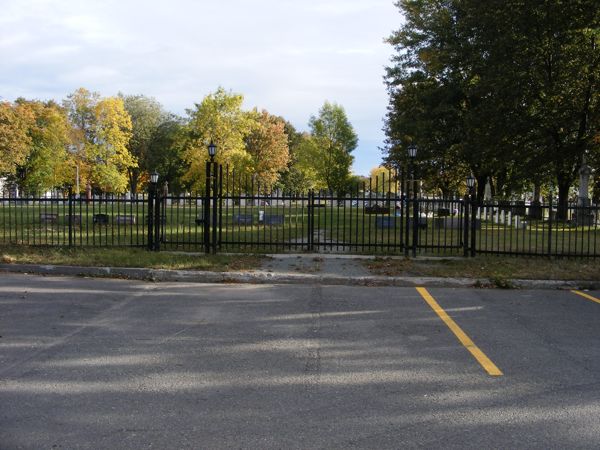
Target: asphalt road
point(94, 363)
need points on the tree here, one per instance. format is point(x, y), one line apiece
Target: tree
point(15, 141)
point(335, 139)
point(300, 175)
point(218, 118)
point(147, 115)
point(166, 152)
point(267, 145)
point(101, 130)
point(113, 132)
point(510, 88)
point(382, 179)
point(48, 164)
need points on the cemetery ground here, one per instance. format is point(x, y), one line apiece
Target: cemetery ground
point(287, 229)
point(101, 363)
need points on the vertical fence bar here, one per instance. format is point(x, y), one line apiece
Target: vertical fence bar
point(415, 232)
point(550, 226)
point(70, 194)
point(473, 225)
point(215, 211)
point(466, 226)
point(150, 218)
point(157, 219)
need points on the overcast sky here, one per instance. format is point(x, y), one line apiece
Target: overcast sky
point(286, 56)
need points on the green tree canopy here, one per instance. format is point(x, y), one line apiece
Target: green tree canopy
point(48, 164)
point(267, 145)
point(15, 141)
point(335, 140)
point(146, 115)
point(101, 130)
point(503, 88)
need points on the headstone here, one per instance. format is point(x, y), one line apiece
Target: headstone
point(273, 219)
point(487, 192)
point(242, 219)
point(385, 222)
point(584, 182)
point(584, 216)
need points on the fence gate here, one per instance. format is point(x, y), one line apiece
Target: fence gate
point(238, 214)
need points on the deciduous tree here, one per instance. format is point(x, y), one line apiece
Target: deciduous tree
point(15, 141)
point(267, 145)
point(101, 130)
point(336, 140)
point(218, 118)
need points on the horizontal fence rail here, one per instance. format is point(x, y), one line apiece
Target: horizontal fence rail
point(236, 213)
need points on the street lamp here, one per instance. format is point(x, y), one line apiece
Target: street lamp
point(412, 154)
point(470, 182)
point(412, 151)
point(470, 204)
point(212, 151)
point(211, 175)
point(153, 209)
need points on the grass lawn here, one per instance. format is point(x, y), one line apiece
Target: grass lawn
point(125, 257)
point(495, 268)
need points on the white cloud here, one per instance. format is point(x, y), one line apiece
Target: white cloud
point(284, 56)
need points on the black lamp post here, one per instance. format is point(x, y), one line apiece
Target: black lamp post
point(470, 204)
point(151, 204)
point(211, 175)
point(470, 183)
point(212, 151)
point(412, 154)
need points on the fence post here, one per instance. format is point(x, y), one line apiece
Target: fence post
point(550, 225)
point(466, 225)
point(151, 194)
point(157, 220)
point(406, 204)
point(215, 210)
point(415, 224)
point(311, 219)
point(474, 208)
point(221, 203)
point(207, 210)
point(70, 216)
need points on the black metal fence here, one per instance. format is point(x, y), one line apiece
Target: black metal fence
point(236, 214)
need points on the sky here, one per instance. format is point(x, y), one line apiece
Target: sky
point(285, 56)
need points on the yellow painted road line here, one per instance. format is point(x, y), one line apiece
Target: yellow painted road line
point(465, 340)
point(584, 295)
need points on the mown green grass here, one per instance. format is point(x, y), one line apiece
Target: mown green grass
point(495, 268)
point(128, 257)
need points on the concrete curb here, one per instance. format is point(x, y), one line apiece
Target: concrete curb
point(262, 277)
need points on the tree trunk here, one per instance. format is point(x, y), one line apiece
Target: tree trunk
point(563, 199)
point(134, 176)
point(481, 180)
point(535, 209)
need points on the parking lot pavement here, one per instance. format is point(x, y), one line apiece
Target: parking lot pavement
point(92, 363)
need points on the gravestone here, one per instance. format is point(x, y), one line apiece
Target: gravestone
point(385, 222)
point(583, 215)
point(273, 219)
point(242, 219)
point(125, 219)
point(100, 219)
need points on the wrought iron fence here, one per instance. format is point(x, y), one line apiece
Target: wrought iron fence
point(68, 220)
point(236, 214)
